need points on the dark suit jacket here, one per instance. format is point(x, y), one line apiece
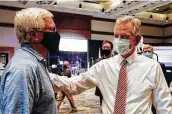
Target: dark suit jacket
point(163, 68)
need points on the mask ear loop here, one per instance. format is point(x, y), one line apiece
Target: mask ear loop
point(33, 33)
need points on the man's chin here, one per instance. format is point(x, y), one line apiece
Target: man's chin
point(128, 53)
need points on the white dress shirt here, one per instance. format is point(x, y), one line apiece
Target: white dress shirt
point(146, 84)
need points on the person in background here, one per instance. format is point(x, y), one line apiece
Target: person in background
point(148, 52)
point(61, 94)
point(129, 82)
point(25, 86)
point(107, 48)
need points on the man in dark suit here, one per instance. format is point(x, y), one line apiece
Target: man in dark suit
point(107, 48)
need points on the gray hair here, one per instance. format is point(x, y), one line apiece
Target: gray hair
point(136, 23)
point(29, 18)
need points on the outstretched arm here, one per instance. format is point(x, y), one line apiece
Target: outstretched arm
point(76, 84)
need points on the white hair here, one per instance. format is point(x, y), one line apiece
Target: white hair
point(136, 23)
point(29, 18)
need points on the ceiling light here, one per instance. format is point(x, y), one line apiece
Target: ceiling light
point(80, 5)
point(157, 9)
point(167, 19)
point(55, 4)
point(124, 1)
point(103, 10)
point(151, 17)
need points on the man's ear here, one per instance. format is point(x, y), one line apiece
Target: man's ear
point(32, 33)
point(33, 36)
point(138, 38)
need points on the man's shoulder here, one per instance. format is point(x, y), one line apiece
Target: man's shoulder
point(21, 61)
point(22, 57)
point(145, 60)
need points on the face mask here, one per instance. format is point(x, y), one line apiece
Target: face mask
point(122, 46)
point(51, 41)
point(149, 55)
point(106, 52)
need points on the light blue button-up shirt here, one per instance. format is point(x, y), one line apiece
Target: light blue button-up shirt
point(25, 86)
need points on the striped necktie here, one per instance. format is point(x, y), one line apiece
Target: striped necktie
point(121, 93)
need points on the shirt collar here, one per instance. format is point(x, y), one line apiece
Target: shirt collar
point(130, 59)
point(104, 57)
point(29, 49)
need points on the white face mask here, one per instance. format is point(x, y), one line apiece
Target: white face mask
point(122, 46)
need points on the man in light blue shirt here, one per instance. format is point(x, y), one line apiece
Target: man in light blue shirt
point(25, 86)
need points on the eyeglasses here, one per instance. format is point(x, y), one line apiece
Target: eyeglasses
point(46, 29)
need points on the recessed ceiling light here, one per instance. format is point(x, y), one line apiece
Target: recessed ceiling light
point(80, 5)
point(151, 17)
point(167, 19)
point(145, 6)
point(103, 10)
point(124, 1)
point(128, 3)
point(55, 4)
point(157, 9)
point(152, 3)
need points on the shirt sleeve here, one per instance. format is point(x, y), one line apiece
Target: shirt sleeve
point(76, 84)
point(162, 98)
point(18, 96)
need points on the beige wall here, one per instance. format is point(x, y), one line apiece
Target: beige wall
point(147, 40)
point(168, 31)
point(101, 37)
point(151, 31)
point(168, 40)
point(7, 37)
point(7, 16)
point(103, 26)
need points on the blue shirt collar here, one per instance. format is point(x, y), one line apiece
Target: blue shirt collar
point(29, 49)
